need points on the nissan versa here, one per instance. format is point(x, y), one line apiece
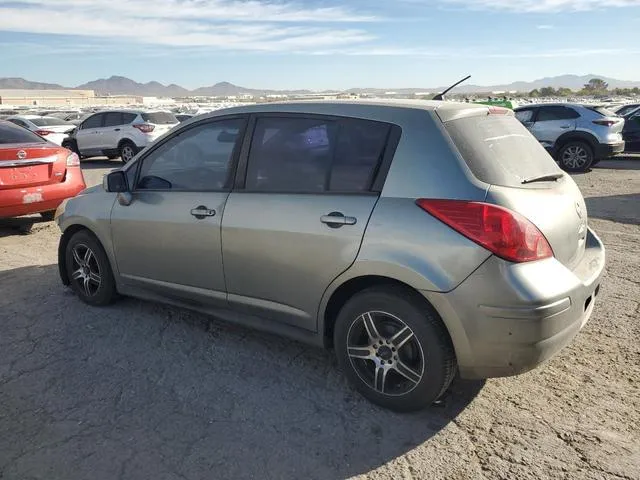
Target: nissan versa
point(418, 239)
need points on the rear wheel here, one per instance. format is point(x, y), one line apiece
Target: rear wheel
point(89, 270)
point(575, 157)
point(127, 151)
point(71, 145)
point(394, 348)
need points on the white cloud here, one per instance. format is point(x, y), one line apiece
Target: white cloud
point(532, 6)
point(219, 24)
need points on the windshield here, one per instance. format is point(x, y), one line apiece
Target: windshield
point(49, 122)
point(160, 118)
point(10, 133)
point(499, 150)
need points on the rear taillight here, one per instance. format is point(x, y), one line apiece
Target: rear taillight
point(43, 133)
point(507, 234)
point(145, 127)
point(498, 111)
point(73, 160)
point(605, 123)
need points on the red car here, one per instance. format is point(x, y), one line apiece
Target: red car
point(35, 175)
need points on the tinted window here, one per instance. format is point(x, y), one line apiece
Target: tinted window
point(546, 114)
point(524, 115)
point(198, 159)
point(128, 118)
point(11, 134)
point(112, 119)
point(93, 122)
point(358, 153)
point(160, 118)
point(18, 122)
point(48, 121)
point(499, 149)
point(314, 155)
point(604, 111)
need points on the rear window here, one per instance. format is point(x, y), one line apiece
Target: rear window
point(160, 118)
point(10, 133)
point(603, 111)
point(48, 121)
point(499, 150)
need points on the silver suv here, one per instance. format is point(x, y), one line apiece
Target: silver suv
point(418, 239)
point(578, 136)
point(118, 133)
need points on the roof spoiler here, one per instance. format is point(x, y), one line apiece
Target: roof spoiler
point(440, 96)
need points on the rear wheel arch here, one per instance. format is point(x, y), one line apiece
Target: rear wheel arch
point(576, 136)
point(352, 287)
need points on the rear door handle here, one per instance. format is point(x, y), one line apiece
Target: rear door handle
point(116, 129)
point(201, 212)
point(337, 220)
point(564, 127)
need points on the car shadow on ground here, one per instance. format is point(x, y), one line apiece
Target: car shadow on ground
point(140, 390)
point(101, 162)
point(617, 208)
point(10, 227)
point(620, 163)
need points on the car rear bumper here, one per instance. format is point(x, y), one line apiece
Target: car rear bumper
point(506, 318)
point(29, 200)
point(606, 150)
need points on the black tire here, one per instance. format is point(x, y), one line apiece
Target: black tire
point(48, 216)
point(394, 307)
point(71, 145)
point(98, 292)
point(575, 156)
point(596, 162)
point(127, 151)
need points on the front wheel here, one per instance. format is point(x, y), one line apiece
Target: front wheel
point(575, 157)
point(394, 348)
point(89, 270)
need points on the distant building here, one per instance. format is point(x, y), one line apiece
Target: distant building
point(63, 98)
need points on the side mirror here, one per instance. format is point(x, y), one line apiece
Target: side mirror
point(115, 182)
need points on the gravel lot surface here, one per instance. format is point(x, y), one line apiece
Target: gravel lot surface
point(140, 390)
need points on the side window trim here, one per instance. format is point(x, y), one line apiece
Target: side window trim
point(179, 131)
point(378, 177)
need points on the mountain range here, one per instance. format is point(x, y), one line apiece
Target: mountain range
point(117, 85)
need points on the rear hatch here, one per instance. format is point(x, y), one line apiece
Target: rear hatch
point(609, 120)
point(162, 121)
point(524, 178)
point(31, 165)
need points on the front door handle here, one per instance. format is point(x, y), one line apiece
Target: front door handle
point(201, 212)
point(564, 127)
point(116, 129)
point(337, 220)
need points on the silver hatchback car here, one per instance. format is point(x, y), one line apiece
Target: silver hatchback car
point(418, 239)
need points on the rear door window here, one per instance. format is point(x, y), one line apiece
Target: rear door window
point(160, 118)
point(127, 118)
point(12, 134)
point(113, 119)
point(547, 114)
point(499, 150)
point(525, 115)
point(315, 155)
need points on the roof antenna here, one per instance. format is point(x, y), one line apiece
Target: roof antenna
point(440, 96)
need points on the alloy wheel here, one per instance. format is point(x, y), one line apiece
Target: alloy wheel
point(575, 156)
point(86, 270)
point(127, 154)
point(385, 353)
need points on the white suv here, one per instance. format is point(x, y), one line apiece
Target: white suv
point(120, 133)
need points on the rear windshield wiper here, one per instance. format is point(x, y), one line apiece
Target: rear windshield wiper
point(551, 177)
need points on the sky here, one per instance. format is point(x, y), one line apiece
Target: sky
point(318, 44)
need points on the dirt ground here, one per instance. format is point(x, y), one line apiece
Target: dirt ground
point(140, 390)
